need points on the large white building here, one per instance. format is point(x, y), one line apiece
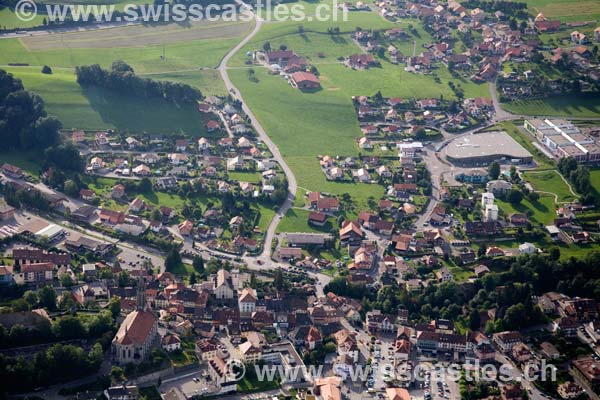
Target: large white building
point(563, 139)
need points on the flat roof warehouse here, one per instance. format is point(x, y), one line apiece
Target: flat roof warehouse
point(484, 148)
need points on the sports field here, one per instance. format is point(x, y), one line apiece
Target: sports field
point(97, 108)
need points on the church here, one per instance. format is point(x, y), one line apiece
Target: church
point(138, 332)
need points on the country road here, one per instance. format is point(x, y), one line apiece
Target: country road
point(292, 185)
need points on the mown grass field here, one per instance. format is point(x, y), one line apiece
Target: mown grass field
point(540, 212)
point(566, 106)
point(595, 179)
point(186, 55)
point(97, 108)
point(566, 10)
point(207, 80)
point(550, 181)
point(296, 220)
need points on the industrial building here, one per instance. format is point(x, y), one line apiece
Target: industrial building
point(484, 148)
point(563, 139)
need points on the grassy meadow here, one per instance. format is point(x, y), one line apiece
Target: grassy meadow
point(550, 181)
point(565, 106)
point(97, 108)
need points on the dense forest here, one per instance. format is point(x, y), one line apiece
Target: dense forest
point(122, 78)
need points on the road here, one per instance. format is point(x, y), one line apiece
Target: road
point(292, 185)
point(515, 374)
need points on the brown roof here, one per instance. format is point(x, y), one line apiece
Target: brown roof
point(38, 267)
point(301, 76)
point(327, 202)
point(135, 328)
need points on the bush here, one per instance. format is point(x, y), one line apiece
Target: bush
point(46, 70)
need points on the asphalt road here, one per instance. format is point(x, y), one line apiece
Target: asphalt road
point(292, 185)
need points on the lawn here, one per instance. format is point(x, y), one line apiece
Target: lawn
point(97, 108)
point(296, 220)
point(247, 385)
point(595, 179)
point(550, 181)
point(541, 212)
point(567, 106)
point(242, 176)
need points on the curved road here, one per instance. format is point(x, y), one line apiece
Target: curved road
point(292, 185)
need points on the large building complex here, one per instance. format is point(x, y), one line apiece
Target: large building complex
point(484, 148)
point(563, 139)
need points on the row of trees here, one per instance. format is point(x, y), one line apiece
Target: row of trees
point(121, 78)
point(24, 124)
point(60, 363)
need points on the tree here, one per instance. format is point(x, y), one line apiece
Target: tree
point(494, 170)
point(47, 296)
point(31, 298)
point(515, 196)
point(198, 264)
point(266, 46)
point(145, 185)
point(173, 260)
point(192, 278)
point(114, 305)
point(482, 250)
point(278, 280)
point(66, 280)
point(156, 215)
point(70, 188)
point(474, 320)
point(46, 69)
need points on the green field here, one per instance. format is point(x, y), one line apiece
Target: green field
point(207, 80)
point(8, 20)
point(566, 10)
point(97, 108)
point(540, 212)
point(26, 160)
point(566, 106)
point(550, 181)
point(595, 179)
point(296, 220)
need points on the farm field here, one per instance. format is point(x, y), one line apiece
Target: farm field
point(550, 181)
point(96, 108)
point(567, 106)
point(136, 36)
point(207, 80)
point(566, 10)
point(184, 55)
point(8, 20)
